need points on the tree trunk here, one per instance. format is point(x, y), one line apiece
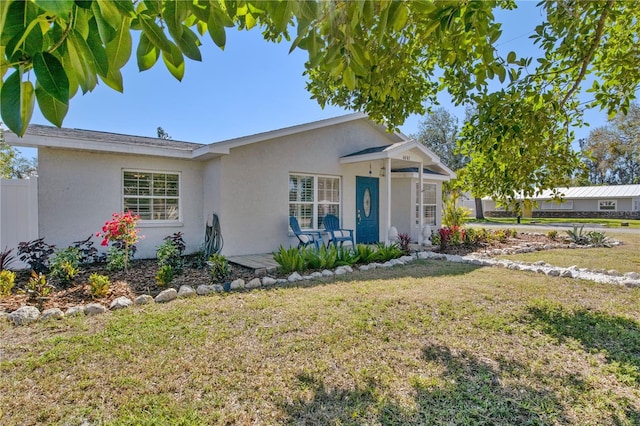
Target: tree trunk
point(479, 211)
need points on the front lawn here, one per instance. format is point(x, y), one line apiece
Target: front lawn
point(428, 343)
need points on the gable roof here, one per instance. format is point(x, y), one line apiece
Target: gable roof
point(224, 147)
point(400, 153)
point(49, 136)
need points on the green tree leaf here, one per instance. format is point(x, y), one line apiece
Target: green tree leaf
point(154, 33)
point(51, 76)
point(188, 44)
point(147, 54)
point(59, 7)
point(174, 62)
point(27, 100)
point(52, 109)
point(11, 105)
point(217, 31)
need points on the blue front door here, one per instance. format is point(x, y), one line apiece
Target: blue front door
point(367, 210)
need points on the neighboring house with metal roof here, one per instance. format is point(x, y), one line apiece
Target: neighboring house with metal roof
point(614, 201)
point(347, 166)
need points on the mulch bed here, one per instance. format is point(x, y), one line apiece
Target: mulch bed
point(140, 279)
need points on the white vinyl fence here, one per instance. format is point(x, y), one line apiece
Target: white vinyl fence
point(18, 213)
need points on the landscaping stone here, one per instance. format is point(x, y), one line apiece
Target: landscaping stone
point(74, 310)
point(566, 273)
point(632, 275)
point(364, 267)
point(94, 309)
point(281, 281)
point(186, 291)
point(120, 303)
point(204, 289)
point(316, 275)
point(254, 283)
point(268, 281)
point(386, 265)
point(614, 273)
point(50, 314)
point(167, 295)
point(407, 259)
point(237, 284)
point(340, 270)
point(143, 299)
point(294, 277)
point(24, 315)
point(327, 273)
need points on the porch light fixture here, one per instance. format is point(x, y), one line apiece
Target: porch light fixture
point(369, 169)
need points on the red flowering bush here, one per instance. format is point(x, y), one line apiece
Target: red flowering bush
point(121, 229)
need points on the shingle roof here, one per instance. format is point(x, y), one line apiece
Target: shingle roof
point(116, 138)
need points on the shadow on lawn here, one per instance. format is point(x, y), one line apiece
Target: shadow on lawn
point(618, 338)
point(468, 391)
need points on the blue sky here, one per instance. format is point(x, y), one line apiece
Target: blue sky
point(250, 87)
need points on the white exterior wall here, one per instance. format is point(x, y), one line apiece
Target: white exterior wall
point(78, 191)
point(254, 189)
point(403, 206)
point(19, 213)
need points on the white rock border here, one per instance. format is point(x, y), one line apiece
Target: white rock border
point(29, 314)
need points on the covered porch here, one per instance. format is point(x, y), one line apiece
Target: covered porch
point(389, 195)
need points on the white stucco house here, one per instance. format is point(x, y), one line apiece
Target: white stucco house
point(251, 183)
point(606, 201)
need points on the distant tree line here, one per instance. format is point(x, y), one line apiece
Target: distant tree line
point(611, 153)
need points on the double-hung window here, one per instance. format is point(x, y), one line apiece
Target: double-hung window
point(152, 195)
point(429, 203)
point(312, 197)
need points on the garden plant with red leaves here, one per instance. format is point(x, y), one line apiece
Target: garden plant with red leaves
point(121, 229)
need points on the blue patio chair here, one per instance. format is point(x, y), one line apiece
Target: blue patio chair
point(337, 235)
point(305, 238)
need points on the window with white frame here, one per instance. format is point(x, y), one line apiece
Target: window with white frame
point(152, 195)
point(552, 205)
point(429, 203)
point(607, 205)
point(312, 197)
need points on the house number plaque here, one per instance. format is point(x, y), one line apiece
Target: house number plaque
point(366, 201)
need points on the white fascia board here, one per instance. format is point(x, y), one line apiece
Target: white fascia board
point(88, 145)
point(426, 177)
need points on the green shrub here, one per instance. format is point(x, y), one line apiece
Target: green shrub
point(366, 253)
point(347, 256)
point(165, 275)
point(7, 280)
point(325, 258)
point(99, 285)
point(290, 260)
point(219, 266)
point(500, 235)
point(453, 215)
point(598, 239)
point(64, 265)
point(116, 258)
point(37, 288)
point(577, 235)
point(552, 235)
point(385, 252)
point(168, 254)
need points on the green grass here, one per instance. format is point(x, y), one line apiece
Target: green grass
point(624, 258)
point(430, 343)
point(510, 221)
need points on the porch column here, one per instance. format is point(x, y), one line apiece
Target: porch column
point(388, 182)
point(420, 199)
